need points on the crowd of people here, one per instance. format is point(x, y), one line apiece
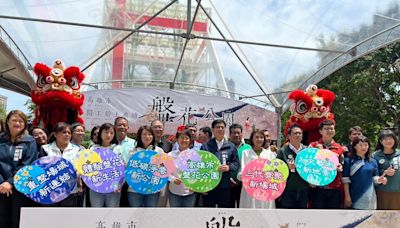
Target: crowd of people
point(365, 180)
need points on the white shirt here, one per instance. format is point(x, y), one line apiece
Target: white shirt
point(219, 143)
point(296, 150)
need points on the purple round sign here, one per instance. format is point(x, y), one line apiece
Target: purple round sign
point(185, 158)
point(105, 176)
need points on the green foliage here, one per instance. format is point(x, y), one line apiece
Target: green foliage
point(285, 117)
point(86, 140)
point(3, 114)
point(367, 94)
point(367, 90)
point(31, 108)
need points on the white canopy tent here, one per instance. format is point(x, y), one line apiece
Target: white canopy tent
point(256, 51)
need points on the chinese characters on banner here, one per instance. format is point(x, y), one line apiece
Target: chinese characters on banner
point(143, 105)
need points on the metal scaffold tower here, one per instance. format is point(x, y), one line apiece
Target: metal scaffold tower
point(151, 56)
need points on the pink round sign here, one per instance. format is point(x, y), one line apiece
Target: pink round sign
point(265, 179)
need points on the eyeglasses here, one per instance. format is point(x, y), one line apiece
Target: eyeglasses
point(328, 128)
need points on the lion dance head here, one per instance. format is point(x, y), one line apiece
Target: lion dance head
point(57, 95)
point(309, 109)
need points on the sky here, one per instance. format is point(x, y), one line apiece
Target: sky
point(286, 22)
point(14, 100)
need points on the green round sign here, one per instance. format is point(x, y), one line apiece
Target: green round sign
point(276, 170)
point(201, 175)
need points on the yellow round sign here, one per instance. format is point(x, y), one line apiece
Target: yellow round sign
point(84, 161)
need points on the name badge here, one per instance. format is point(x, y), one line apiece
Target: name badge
point(18, 153)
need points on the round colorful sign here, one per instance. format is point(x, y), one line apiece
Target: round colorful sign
point(200, 175)
point(86, 159)
point(28, 179)
point(277, 170)
point(265, 179)
point(317, 166)
point(59, 179)
point(105, 175)
point(146, 173)
point(185, 157)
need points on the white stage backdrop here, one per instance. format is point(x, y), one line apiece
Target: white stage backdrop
point(142, 105)
point(203, 218)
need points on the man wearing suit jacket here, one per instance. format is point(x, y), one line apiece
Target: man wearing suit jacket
point(162, 142)
point(227, 154)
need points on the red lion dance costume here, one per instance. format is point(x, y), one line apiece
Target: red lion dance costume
point(56, 95)
point(309, 109)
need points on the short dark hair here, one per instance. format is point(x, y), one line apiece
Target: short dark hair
point(120, 118)
point(355, 128)
point(254, 133)
point(22, 116)
point(103, 127)
point(75, 125)
point(359, 139)
point(207, 131)
point(95, 128)
point(387, 133)
point(326, 123)
point(185, 132)
point(139, 136)
point(218, 121)
point(190, 125)
point(234, 126)
point(38, 127)
point(291, 127)
point(59, 127)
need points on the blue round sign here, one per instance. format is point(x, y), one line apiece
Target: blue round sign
point(145, 176)
point(317, 166)
point(59, 179)
point(28, 179)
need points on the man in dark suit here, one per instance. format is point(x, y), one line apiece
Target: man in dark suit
point(162, 142)
point(227, 154)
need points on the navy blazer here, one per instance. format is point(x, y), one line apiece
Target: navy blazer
point(10, 162)
point(232, 160)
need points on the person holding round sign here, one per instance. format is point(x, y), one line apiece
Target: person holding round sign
point(329, 196)
point(360, 172)
point(295, 195)
point(106, 140)
point(227, 154)
point(145, 141)
point(17, 149)
point(60, 145)
point(388, 157)
point(179, 194)
point(257, 141)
